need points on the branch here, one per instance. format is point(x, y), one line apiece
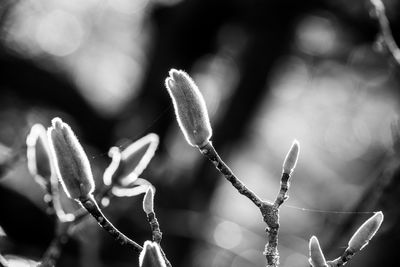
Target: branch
point(385, 32)
point(209, 151)
point(91, 206)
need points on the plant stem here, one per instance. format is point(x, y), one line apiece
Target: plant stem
point(342, 260)
point(91, 206)
point(209, 151)
point(53, 252)
point(155, 227)
point(282, 195)
point(270, 213)
point(157, 234)
point(385, 31)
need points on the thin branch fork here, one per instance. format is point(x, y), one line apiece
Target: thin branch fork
point(269, 211)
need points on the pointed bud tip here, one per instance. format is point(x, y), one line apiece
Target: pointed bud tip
point(169, 83)
point(296, 143)
point(151, 255)
point(148, 201)
point(176, 74)
point(313, 239)
point(291, 158)
point(379, 216)
point(57, 123)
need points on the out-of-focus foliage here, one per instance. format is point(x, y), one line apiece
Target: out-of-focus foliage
point(270, 72)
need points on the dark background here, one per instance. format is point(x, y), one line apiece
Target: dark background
point(270, 71)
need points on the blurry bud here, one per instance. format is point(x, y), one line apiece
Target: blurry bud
point(378, 5)
point(139, 186)
point(190, 108)
point(291, 158)
point(366, 231)
point(38, 155)
point(148, 201)
point(127, 165)
point(71, 163)
point(13, 260)
point(317, 258)
point(151, 255)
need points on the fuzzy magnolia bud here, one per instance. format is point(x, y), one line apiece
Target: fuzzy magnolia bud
point(71, 163)
point(38, 154)
point(151, 256)
point(317, 258)
point(291, 158)
point(190, 108)
point(365, 232)
point(148, 201)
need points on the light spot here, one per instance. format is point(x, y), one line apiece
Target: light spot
point(59, 33)
point(316, 35)
point(227, 235)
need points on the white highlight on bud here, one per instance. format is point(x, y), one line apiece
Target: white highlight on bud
point(317, 258)
point(291, 158)
point(365, 232)
point(148, 201)
point(71, 163)
point(190, 108)
point(38, 155)
point(139, 186)
point(151, 255)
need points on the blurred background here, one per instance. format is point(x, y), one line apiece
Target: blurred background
point(270, 71)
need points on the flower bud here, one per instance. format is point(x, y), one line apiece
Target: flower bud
point(71, 163)
point(291, 158)
point(148, 201)
point(128, 164)
point(365, 233)
point(317, 258)
point(38, 155)
point(151, 256)
point(190, 108)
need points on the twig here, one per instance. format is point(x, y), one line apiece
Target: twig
point(386, 33)
point(155, 227)
point(269, 211)
point(270, 214)
point(209, 151)
point(282, 195)
point(53, 252)
point(342, 260)
point(91, 206)
point(157, 234)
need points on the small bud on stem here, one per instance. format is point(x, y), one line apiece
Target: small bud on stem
point(148, 201)
point(291, 158)
point(365, 232)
